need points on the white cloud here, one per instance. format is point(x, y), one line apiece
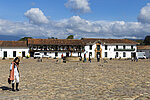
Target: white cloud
point(36, 16)
point(78, 6)
point(144, 16)
point(78, 27)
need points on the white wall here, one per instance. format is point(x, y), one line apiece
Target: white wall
point(110, 51)
point(52, 54)
point(10, 50)
point(87, 50)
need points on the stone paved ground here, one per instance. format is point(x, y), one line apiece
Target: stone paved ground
point(51, 80)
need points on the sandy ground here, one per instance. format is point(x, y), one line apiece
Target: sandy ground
point(51, 80)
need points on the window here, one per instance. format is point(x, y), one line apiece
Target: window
point(67, 54)
point(124, 47)
point(56, 47)
point(14, 53)
point(45, 53)
point(105, 47)
point(41, 47)
point(98, 47)
point(116, 46)
point(105, 54)
point(5, 53)
point(79, 47)
point(34, 47)
point(117, 54)
point(124, 54)
point(23, 53)
point(56, 54)
point(37, 54)
point(131, 46)
point(63, 47)
point(67, 47)
point(90, 47)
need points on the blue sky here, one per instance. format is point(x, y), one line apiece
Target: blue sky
point(101, 12)
point(112, 10)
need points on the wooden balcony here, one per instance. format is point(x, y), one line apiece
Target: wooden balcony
point(124, 49)
point(55, 50)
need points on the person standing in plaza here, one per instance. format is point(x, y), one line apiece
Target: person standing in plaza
point(62, 56)
point(90, 58)
point(85, 57)
point(14, 73)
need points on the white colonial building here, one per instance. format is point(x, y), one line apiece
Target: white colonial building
point(85, 47)
point(110, 48)
point(56, 47)
point(12, 49)
point(144, 48)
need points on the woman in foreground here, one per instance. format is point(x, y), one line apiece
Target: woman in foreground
point(14, 73)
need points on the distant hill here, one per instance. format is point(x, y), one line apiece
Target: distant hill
point(9, 37)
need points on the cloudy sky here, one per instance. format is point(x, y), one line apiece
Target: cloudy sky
point(81, 18)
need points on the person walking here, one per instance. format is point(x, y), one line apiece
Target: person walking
point(90, 58)
point(62, 56)
point(85, 57)
point(14, 73)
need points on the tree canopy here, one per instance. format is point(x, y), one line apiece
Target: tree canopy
point(147, 40)
point(52, 38)
point(140, 41)
point(70, 37)
point(25, 38)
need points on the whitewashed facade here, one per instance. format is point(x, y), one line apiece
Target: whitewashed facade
point(59, 54)
point(12, 49)
point(11, 52)
point(106, 48)
point(110, 50)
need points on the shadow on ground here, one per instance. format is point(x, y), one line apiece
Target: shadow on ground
point(5, 88)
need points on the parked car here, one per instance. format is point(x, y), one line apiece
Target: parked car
point(37, 55)
point(46, 56)
point(140, 55)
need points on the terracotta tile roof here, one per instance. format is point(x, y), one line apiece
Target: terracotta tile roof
point(143, 47)
point(55, 42)
point(109, 41)
point(13, 44)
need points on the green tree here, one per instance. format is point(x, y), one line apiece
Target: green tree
point(25, 38)
point(140, 41)
point(147, 40)
point(52, 38)
point(70, 37)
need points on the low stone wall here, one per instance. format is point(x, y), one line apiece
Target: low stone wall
point(72, 58)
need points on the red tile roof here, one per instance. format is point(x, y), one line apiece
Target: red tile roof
point(55, 42)
point(109, 41)
point(143, 47)
point(13, 44)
